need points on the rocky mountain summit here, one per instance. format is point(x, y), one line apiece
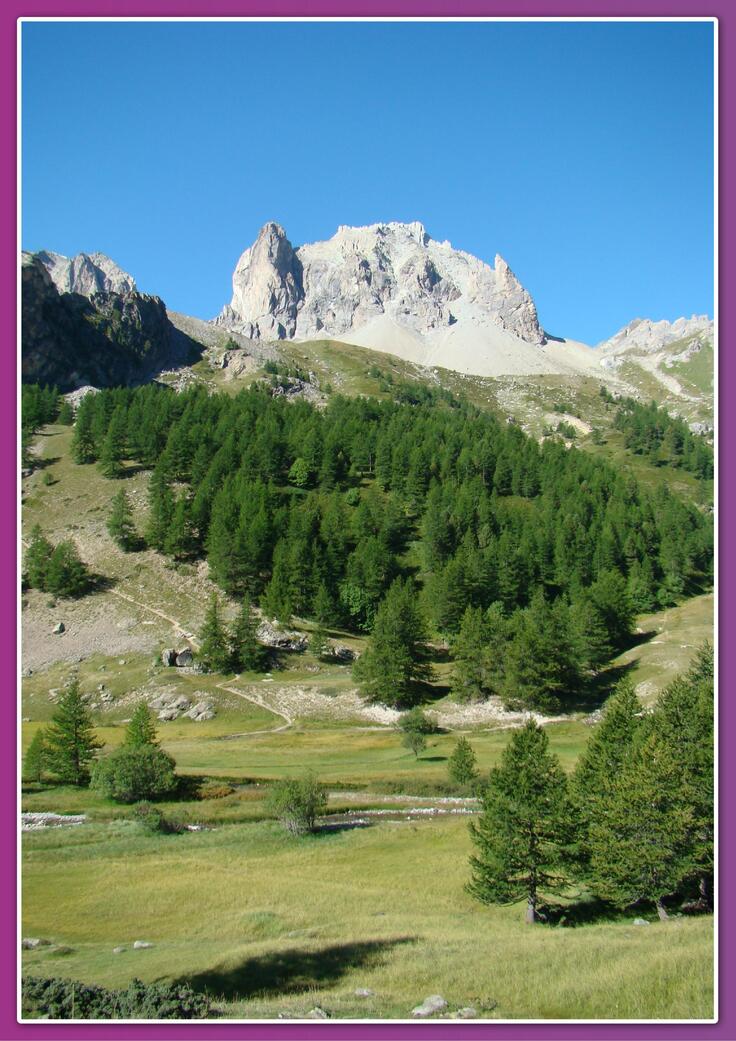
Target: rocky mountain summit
point(648, 337)
point(86, 274)
point(393, 288)
point(101, 337)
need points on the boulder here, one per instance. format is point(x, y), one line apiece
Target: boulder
point(32, 943)
point(118, 950)
point(168, 714)
point(281, 639)
point(318, 1013)
point(641, 921)
point(141, 945)
point(184, 658)
point(429, 1007)
point(168, 657)
point(59, 628)
point(201, 712)
point(466, 1013)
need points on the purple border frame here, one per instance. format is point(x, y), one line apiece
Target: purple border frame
point(725, 11)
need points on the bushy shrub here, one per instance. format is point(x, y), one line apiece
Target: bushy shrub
point(58, 998)
point(132, 773)
point(215, 791)
point(297, 802)
point(154, 821)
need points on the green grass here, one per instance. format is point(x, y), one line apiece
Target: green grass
point(270, 924)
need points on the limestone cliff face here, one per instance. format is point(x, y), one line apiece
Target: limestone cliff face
point(383, 271)
point(643, 335)
point(86, 274)
point(105, 339)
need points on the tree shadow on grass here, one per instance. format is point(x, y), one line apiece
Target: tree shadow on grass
point(291, 971)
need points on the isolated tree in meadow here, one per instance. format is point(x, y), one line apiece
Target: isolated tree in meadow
point(120, 524)
point(462, 765)
point(396, 657)
point(523, 834)
point(36, 560)
point(133, 773)
point(70, 738)
point(34, 761)
point(415, 741)
point(214, 649)
point(247, 654)
point(66, 574)
point(141, 730)
point(297, 801)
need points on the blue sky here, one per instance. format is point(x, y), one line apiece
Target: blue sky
point(582, 153)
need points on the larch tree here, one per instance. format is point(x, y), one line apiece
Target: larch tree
point(70, 738)
point(524, 832)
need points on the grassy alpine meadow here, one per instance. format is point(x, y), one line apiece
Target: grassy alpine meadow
point(271, 926)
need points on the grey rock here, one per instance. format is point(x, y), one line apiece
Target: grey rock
point(364, 992)
point(184, 658)
point(119, 950)
point(641, 921)
point(141, 945)
point(32, 943)
point(59, 628)
point(429, 1007)
point(389, 270)
point(62, 950)
point(168, 657)
point(466, 1013)
point(281, 639)
point(201, 712)
point(318, 1013)
point(86, 274)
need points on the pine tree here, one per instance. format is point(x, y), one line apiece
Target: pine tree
point(120, 522)
point(396, 657)
point(36, 560)
point(66, 414)
point(523, 834)
point(179, 539)
point(161, 509)
point(34, 761)
point(70, 739)
point(470, 670)
point(66, 574)
point(318, 642)
point(112, 451)
point(83, 443)
point(214, 652)
point(462, 765)
point(141, 730)
point(640, 841)
point(247, 654)
point(541, 664)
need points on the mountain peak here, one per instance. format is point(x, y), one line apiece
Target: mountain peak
point(392, 273)
point(86, 274)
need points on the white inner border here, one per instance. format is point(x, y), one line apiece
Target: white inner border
point(381, 1024)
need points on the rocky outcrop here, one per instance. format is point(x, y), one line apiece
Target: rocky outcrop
point(643, 335)
point(104, 339)
point(86, 274)
point(383, 271)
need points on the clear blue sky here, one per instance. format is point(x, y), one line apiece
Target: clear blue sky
point(580, 152)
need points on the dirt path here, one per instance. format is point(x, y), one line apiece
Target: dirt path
point(255, 700)
point(181, 631)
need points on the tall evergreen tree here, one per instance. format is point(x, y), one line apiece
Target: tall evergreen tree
point(66, 574)
point(214, 650)
point(141, 730)
point(470, 649)
point(523, 834)
point(161, 509)
point(396, 657)
point(112, 451)
point(36, 559)
point(35, 759)
point(462, 765)
point(640, 840)
point(120, 522)
point(70, 738)
point(247, 654)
